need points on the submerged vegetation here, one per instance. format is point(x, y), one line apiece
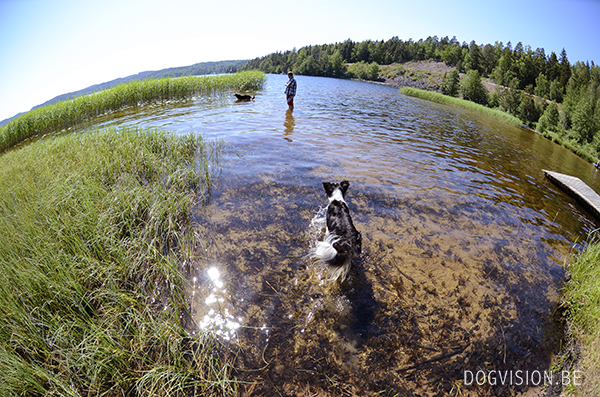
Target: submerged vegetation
point(93, 232)
point(64, 115)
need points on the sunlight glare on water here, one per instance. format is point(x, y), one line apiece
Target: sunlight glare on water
point(215, 317)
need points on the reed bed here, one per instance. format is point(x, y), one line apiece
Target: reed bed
point(69, 113)
point(92, 227)
point(452, 101)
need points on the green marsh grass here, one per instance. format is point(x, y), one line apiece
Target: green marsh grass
point(66, 114)
point(452, 101)
point(92, 231)
point(581, 301)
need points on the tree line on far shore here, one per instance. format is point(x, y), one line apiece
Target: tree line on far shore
point(546, 92)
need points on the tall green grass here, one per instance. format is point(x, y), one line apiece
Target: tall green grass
point(581, 301)
point(92, 232)
point(448, 100)
point(66, 114)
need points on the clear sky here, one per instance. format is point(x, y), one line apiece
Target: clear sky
point(52, 47)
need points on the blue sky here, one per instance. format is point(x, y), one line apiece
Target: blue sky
point(51, 47)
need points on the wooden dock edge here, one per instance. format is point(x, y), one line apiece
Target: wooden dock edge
point(578, 189)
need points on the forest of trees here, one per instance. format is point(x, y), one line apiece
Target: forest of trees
point(546, 92)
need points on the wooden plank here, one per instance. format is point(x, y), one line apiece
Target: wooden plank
point(578, 189)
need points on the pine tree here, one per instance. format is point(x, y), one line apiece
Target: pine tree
point(552, 67)
point(564, 68)
point(472, 88)
point(473, 59)
point(451, 83)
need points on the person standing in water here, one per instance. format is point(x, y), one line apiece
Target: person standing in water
point(290, 90)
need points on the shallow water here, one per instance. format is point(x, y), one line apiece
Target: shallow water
point(463, 239)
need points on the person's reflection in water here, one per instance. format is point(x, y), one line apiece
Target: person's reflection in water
point(289, 123)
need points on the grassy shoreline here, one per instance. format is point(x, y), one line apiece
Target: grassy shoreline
point(572, 145)
point(452, 101)
point(448, 100)
point(581, 304)
point(66, 114)
point(92, 228)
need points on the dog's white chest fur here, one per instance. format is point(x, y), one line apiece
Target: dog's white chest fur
point(337, 196)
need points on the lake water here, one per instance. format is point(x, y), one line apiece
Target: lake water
point(464, 239)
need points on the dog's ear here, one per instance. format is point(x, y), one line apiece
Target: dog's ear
point(328, 188)
point(344, 185)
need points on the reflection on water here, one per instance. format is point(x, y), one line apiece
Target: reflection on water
point(289, 123)
point(463, 240)
point(213, 315)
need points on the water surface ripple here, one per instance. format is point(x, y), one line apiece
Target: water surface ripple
point(463, 239)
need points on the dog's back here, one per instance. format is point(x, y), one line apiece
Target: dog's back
point(342, 241)
point(243, 97)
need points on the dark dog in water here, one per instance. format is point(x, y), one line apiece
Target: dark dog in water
point(342, 242)
point(243, 97)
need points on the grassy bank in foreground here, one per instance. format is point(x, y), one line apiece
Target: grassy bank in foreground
point(448, 100)
point(92, 229)
point(581, 301)
point(66, 114)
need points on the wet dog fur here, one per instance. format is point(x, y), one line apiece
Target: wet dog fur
point(243, 97)
point(342, 242)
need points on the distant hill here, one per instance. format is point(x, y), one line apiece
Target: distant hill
point(192, 70)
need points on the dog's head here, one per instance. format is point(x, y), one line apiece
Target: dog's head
point(330, 188)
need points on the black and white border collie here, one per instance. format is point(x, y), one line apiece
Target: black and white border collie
point(342, 242)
